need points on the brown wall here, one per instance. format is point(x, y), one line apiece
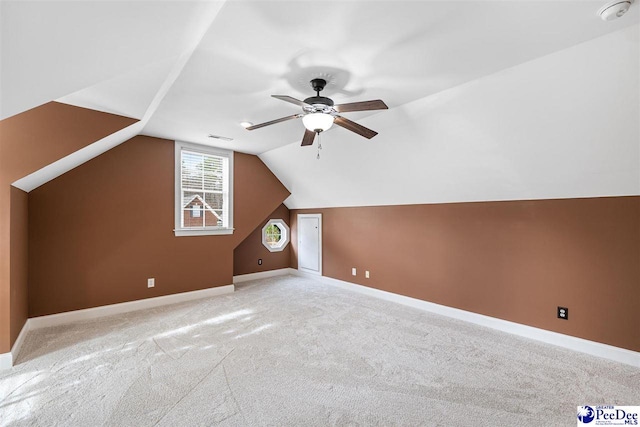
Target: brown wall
point(246, 255)
point(19, 238)
point(28, 142)
point(99, 231)
point(255, 187)
point(5, 267)
point(38, 137)
point(514, 260)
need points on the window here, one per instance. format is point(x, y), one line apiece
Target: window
point(204, 190)
point(275, 235)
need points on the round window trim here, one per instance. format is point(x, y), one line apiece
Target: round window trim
point(284, 236)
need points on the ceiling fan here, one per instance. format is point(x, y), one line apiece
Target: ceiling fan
point(320, 113)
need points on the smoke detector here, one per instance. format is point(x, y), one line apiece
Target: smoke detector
point(614, 9)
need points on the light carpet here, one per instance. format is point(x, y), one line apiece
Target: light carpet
point(292, 351)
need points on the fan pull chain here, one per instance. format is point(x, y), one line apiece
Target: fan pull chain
point(319, 146)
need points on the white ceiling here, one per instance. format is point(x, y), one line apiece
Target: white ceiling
point(190, 69)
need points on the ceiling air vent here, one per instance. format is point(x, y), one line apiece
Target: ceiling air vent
point(223, 138)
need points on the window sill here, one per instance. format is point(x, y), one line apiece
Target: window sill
point(276, 248)
point(179, 232)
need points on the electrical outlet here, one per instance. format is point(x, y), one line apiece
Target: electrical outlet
point(259, 261)
point(353, 271)
point(563, 313)
point(366, 274)
point(151, 282)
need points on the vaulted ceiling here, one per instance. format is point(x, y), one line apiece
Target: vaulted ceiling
point(190, 69)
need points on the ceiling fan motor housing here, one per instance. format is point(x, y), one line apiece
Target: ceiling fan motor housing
point(318, 103)
point(321, 101)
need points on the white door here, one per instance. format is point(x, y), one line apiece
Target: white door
point(310, 243)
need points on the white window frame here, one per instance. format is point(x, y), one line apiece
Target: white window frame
point(285, 235)
point(228, 184)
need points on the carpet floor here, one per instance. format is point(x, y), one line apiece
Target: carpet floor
point(289, 351)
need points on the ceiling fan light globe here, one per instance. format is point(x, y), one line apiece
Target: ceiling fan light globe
point(317, 121)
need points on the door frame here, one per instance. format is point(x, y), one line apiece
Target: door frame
point(319, 217)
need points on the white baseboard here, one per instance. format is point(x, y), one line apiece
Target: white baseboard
point(124, 307)
point(7, 359)
point(19, 341)
point(262, 275)
point(593, 348)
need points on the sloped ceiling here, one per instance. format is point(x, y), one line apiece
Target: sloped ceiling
point(52, 49)
point(190, 69)
point(561, 126)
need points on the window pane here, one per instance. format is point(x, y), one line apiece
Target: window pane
point(191, 197)
point(192, 170)
point(213, 218)
point(214, 200)
point(273, 235)
point(213, 168)
point(212, 183)
point(213, 174)
point(190, 220)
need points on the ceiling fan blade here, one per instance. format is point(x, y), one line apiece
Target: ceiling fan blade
point(290, 99)
point(308, 137)
point(376, 104)
point(354, 127)
point(273, 122)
